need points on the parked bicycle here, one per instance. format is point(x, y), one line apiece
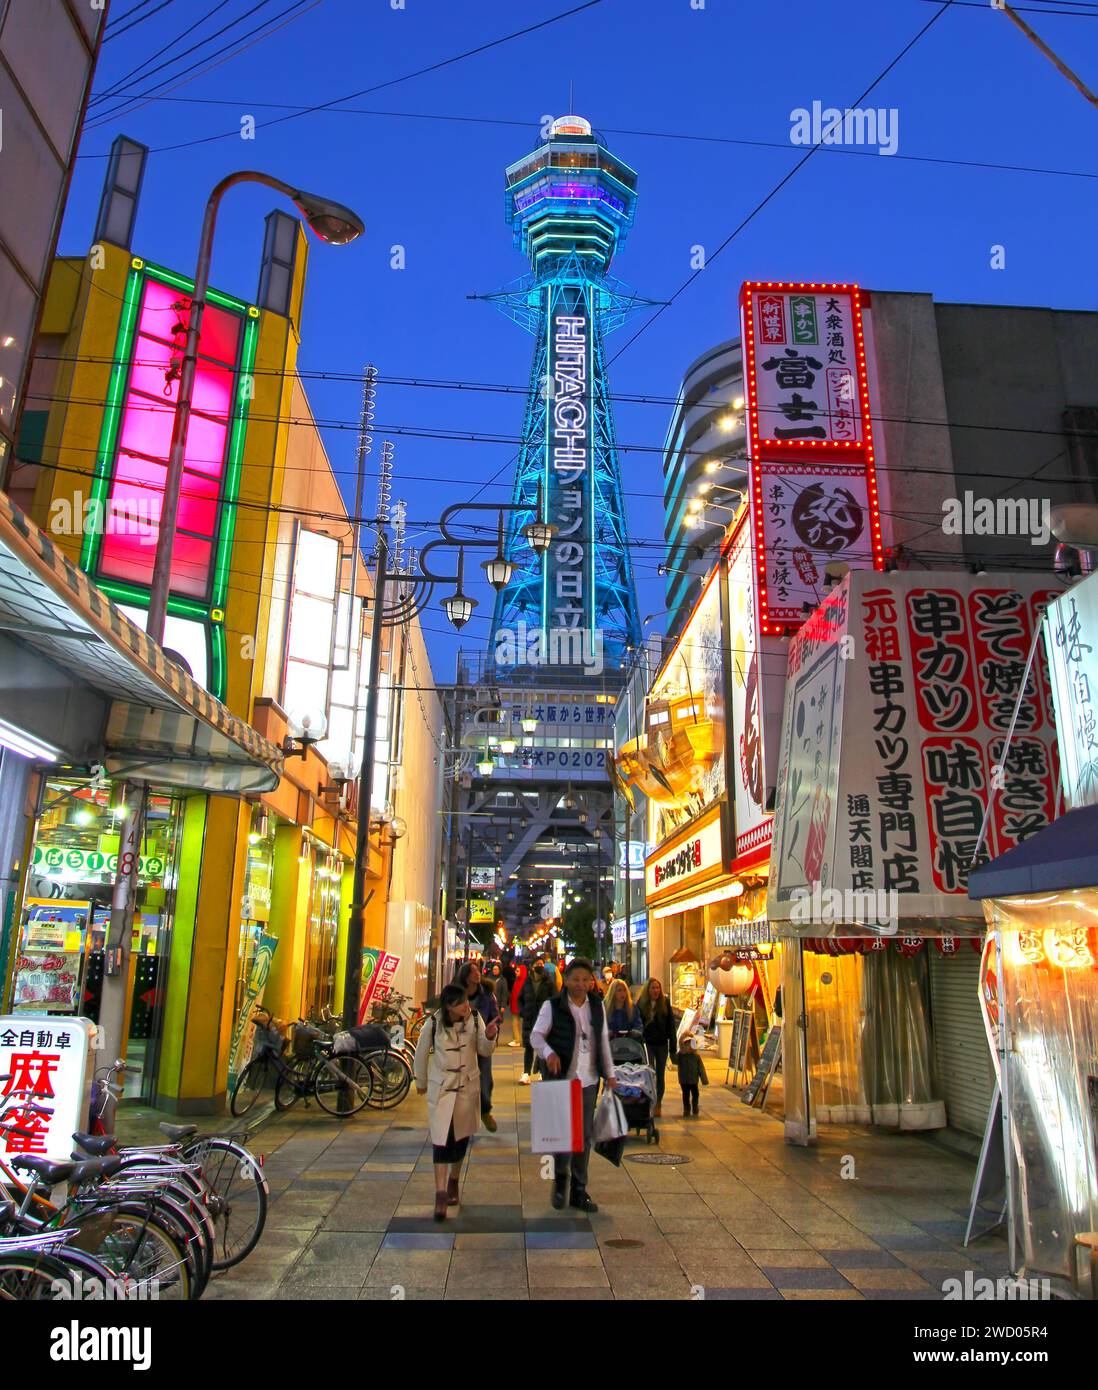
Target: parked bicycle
point(385, 1052)
point(219, 1168)
point(341, 1087)
point(126, 1234)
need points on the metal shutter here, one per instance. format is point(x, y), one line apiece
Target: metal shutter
point(960, 1043)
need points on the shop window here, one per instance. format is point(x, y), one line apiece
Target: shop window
point(65, 914)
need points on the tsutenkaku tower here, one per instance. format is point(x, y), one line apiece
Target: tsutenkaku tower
point(570, 204)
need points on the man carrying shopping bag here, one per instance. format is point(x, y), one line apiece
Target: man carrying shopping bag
point(571, 1039)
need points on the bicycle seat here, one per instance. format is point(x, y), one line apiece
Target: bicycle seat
point(75, 1172)
point(98, 1145)
point(177, 1133)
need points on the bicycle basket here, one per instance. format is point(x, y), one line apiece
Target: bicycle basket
point(268, 1038)
point(305, 1036)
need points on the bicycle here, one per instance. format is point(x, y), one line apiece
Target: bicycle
point(219, 1168)
point(340, 1087)
point(129, 1232)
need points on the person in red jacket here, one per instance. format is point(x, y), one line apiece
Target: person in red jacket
point(516, 1017)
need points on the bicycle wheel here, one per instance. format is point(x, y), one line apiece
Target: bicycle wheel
point(250, 1085)
point(62, 1274)
point(137, 1248)
point(294, 1083)
point(392, 1079)
point(415, 1028)
point(236, 1179)
point(179, 1202)
point(342, 1085)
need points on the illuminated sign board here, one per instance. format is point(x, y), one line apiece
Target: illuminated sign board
point(568, 592)
point(135, 443)
point(812, 478)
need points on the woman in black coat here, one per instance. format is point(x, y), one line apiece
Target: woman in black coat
point(535, 991)
point(659, 1032)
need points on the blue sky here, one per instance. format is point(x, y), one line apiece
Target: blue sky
point(674, 90)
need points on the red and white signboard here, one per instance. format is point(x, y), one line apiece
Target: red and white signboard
point(747, 760)
point(812, 480)
point(46, 1062)
point(379, 983)
point(686, 860)
point(899, 697)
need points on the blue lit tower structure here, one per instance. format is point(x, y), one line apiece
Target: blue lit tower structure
point(570, 204)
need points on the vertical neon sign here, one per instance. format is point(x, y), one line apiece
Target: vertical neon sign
point(135, 439)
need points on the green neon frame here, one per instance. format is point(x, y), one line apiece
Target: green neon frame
point(135, 594)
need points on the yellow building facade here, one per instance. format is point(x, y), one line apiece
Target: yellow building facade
point(243, 902)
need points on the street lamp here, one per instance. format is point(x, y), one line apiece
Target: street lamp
point(498, 570)
point(539, 533)
point(529, 726)
point(459, 606)
point(331, 222)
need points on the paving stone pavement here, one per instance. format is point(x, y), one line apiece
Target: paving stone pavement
point(748, 1217)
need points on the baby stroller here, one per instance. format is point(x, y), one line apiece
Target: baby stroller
point(636, 1084)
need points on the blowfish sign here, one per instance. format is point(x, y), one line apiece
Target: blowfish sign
point(566, 573)
point(812, 482)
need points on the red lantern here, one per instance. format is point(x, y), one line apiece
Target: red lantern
point(873, 943)
point(909, 945)
point(947, 945)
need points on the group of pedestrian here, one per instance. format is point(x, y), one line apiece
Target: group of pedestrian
point(567, 1020)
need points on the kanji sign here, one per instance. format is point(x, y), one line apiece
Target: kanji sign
point(898, 698)
point(45, 1062)
point(812, 479)
point(1071, 641)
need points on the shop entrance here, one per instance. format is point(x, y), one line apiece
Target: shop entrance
point(65, 914)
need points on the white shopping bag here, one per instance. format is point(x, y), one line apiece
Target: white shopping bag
point(610, 1118)
point(556, 1117)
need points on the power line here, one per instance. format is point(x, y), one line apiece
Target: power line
point(138, 69)
point(627, 131)
point(116, 28)
point(244, 41)
point(778, 186)
point(391, 82)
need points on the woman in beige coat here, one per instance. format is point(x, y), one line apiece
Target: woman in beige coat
point(446, 1069)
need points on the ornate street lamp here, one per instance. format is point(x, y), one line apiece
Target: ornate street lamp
point(459, 606)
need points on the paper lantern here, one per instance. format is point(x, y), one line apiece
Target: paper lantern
point(946, 945)
point(909, 945)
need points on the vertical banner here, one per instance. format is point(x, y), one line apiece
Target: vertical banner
point(253, 996)
point(812, 480)
point(569, 590)
point(379, 969)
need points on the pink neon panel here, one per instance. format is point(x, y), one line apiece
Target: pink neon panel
point(220, 334)
point(136, 492)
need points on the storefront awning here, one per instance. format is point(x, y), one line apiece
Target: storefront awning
point(1062, 856)
point(161, 727)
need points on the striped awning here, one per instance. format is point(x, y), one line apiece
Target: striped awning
point(161, 726)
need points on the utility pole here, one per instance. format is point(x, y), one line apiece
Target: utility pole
point(356, 927)
point(1034, 38)
point(113, 1023)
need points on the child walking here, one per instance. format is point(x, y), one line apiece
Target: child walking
point(691, 1071)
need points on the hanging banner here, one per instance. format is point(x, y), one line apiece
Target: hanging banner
point(253, 997)
point(1071, 642)
point(382, 966)
point(989, 1001)
point(898, 697)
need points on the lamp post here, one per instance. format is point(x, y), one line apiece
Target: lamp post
point(332, 222)
point(412, 592)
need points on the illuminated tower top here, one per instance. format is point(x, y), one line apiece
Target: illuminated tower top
point(570, 197)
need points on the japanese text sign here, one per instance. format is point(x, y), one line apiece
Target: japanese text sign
point(899, 696)
point(1071, 641)
point(812, 479)
point(46, 1062)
